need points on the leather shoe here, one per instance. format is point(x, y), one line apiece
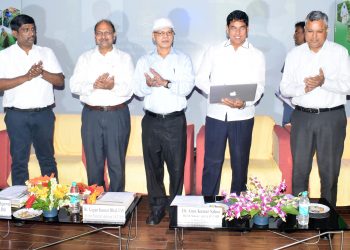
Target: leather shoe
point(155, 217)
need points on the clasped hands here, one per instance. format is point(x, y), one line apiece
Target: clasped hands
point(35, 71)
point(104, 81)
point(156, 81)
point(314, 81)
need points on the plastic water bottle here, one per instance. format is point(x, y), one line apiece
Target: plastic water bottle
point(74, 199)
point(304, 203)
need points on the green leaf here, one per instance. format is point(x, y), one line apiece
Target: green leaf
point(290, 210)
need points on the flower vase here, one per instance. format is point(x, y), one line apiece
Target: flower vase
point(261, 220)
point(50, 213)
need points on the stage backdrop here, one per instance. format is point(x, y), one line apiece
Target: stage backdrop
point(67, 27)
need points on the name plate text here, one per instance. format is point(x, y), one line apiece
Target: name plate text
point(103, 214)
point(199, 216)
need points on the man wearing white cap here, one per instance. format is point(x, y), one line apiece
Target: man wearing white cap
point(164, 77)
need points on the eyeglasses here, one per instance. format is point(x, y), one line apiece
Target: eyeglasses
point(103, 33)
point(164, 33)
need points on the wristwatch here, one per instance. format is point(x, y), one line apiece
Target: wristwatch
point(168, 84)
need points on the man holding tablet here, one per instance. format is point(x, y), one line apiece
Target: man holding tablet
point(235, 61)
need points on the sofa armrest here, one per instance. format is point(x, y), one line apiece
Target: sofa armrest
point(5, 159)
point(282, 154)
point(189, 163)
point(200, 148)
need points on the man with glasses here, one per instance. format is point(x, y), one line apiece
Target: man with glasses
point(164, 77)
point(317, 78)
point(102, 78)
point(27, 75)
point(234, 61)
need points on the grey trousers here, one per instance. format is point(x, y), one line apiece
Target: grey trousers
point(105, 136)
point(323, 134)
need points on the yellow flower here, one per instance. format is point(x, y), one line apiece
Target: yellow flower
point(60, 192)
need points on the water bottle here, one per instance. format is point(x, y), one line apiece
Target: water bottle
point(74, 199)
point(304, 203)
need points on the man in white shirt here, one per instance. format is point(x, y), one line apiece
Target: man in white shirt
point(27, 75)
point(102, 78)
point(235, 61)
point(164, 77)
point(317, 77)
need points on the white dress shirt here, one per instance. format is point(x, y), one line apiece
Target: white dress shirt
point(175, 67)
point(91, 65)
point(36, 93)
point(301, 62)
point(223, 65)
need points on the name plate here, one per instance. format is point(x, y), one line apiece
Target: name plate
point(5, 209)
point(103, 214)
point(199, 216)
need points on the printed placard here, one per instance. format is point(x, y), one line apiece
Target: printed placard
point(5, 208)
point(103, 214)
point(199, 216)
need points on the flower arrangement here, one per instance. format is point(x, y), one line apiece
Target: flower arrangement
point(90, 193)
point(46, 193)
point(259, 200)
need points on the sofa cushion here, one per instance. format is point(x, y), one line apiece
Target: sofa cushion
point(70, 168)
point(266, 171)
point(135, 175)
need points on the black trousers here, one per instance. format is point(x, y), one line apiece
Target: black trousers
point(323, 134)
point(105, 136)
point(163, 140)
point(239, 135)
point(25, 128)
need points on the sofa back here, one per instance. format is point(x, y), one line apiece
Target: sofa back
point(2, 121)
point(346, 153)
point(135, 145)
point(67, 137)
point(261, 147)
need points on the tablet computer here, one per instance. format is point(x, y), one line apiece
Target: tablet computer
point(245, 92)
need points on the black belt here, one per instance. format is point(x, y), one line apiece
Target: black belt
point(317, 111)
point(32, 109)
point(165, 116)
point(106, 108)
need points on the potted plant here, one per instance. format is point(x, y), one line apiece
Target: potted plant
point(47, 195)
point(261, 201)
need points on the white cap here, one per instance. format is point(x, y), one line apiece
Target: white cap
point(162, 23)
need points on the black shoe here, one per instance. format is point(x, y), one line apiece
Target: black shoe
point(155, 217)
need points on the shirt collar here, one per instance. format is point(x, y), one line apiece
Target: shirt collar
point(96, 51)
point(19, 48)
point(155, 53)
point(324, 47)
point(245, 45)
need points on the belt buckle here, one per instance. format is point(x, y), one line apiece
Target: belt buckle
point(318, 112)
point(104, 108)
point(163, 116)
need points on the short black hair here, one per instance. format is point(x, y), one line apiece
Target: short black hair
point(105, 21)
point(300, 24)
point(237, 15)
point(20, 20)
